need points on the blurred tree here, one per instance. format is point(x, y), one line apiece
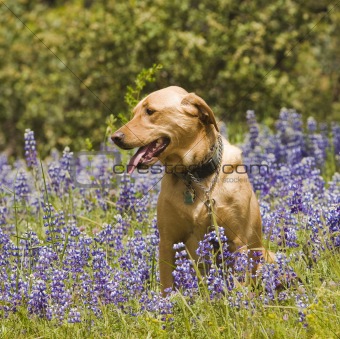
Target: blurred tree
point(65, 65)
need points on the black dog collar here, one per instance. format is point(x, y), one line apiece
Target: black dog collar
point(204, 170)
point(207, 168)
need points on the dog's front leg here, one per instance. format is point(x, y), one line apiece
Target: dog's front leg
point(166, 264)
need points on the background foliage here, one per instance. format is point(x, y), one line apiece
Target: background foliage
point(65, 65)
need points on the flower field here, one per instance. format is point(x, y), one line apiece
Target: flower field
point(79, 246)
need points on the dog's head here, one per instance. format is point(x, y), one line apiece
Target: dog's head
point(165, 126)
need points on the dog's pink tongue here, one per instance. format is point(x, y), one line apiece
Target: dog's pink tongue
point(136, 158)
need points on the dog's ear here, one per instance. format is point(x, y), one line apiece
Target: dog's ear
point(195, 105)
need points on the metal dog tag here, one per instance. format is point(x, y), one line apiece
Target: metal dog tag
point(189, 196)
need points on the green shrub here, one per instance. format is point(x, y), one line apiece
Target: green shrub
point(65, 65)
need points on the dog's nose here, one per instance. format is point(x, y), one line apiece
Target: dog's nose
point(117, 137)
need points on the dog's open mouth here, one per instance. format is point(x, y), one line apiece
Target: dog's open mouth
point(148, 153)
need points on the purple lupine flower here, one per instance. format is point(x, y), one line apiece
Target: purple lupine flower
point(157, 304)
point(311, 125)
point(85, 285)
point(276, 275)
point(74, 316)
point(240, 299)
point(30, 149)
point(21, 185)
point(185, 278)
point(333, 193)
point(66, 168)
point(317, 143)
point(87, 200)
point(287, 273)
point(336, 141)
point(54, 170)
point(122, 226)
point(141, 208)
point(147, 187)
point(136, 263)
point(45, 262)
point(243, 264)
point(101, 195)
point(336, 138)
point(38, 299)
point(253, 129)
point(290, 236)
point(3, 161)
point(282, 228)
point(270, 280)
point(77, 254)
point(295, 146)
point(6, 266)
point(3, 215)
point(282, 126)
point(60, 296)
point(103, 171)
point(18, 290)
point(110, 237)
point(332, 218)
point(127, 196)
point(219, 281)
point(289, 132)
point(5, 174)
point(315, 227)
point(55, 224)
point(217, 260)
point(295, 202)
point(215, 242)
point(106, 287)
point(296, 121)
point(29, 248)
point(100, 173)
point(302, 303)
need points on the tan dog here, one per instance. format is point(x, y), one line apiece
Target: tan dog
point(179, 129)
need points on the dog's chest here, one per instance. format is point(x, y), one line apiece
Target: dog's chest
point(185, 206)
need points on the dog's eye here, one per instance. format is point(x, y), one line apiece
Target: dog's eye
point(149, 111)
